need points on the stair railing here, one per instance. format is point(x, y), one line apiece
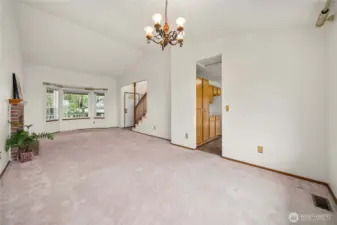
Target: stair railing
point(141, 108)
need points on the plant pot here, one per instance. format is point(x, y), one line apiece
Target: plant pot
point(35, 147)
point(25, 156)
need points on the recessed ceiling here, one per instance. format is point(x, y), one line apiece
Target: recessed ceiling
point(106, 36)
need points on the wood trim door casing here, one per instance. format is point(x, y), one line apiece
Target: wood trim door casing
point(205, 107)
point(199, 110)
point(134, 105)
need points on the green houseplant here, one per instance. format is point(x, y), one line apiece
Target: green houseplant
point(24, 141)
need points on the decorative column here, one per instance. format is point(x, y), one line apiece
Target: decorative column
point(17, 122)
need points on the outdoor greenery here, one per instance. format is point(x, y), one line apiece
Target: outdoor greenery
point(75, 105)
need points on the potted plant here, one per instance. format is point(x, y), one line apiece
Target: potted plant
point(24, 140)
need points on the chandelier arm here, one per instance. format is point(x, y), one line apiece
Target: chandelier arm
point(172, 42)
point(174, 36)
point(155, 41)
point(158, 38)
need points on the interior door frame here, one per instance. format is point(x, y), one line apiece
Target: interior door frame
point(124, 105)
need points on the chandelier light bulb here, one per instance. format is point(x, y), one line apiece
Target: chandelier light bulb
point(181, 21)
point(180, 38)
point(157, 18)
point(149, 31)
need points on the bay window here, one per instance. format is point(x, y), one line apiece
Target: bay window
point(99, 105)
point(75, 105)
point(52, 104)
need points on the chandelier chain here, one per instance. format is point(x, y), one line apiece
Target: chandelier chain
point(166, 3)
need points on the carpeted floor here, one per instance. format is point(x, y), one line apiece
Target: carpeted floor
point(118, 177)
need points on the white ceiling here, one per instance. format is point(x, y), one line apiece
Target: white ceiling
point(106, 36)
point(210, 68)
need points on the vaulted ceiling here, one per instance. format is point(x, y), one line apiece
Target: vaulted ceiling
point(106, 36)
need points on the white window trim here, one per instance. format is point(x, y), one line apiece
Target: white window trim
point(50, 87)
point(96, 93)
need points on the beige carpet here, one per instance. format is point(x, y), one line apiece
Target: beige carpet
point(118, 177)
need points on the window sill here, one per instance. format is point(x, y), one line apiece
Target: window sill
point(99, 118)
point(82, 118)
point(49, 121)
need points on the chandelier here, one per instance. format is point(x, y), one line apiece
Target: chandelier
point(163, 34)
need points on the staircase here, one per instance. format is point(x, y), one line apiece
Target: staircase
point(141, 108)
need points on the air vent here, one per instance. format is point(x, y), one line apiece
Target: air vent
point(322, 202)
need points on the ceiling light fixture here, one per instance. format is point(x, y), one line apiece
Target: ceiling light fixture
point(164, 36)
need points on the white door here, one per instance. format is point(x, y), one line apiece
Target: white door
point(128, 109)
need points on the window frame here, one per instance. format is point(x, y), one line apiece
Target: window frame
point(78, 92)
point(95, 105)
point(58, 104)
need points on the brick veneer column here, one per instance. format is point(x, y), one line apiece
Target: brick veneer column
point(17, 122)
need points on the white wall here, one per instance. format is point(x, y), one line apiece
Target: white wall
point(141, 87)
point(10, 62)
point(35, 95)
point(332, 104)
point(153, 67)
point(275, 85)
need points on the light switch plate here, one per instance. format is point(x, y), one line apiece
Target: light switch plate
point(260, 149)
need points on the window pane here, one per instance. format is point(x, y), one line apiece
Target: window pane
point(99, 109)
point(75, 105)
point(52, 112)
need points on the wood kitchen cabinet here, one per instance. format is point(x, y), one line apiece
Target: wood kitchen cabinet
point(212, 126)
point(218, 125)
point(207, 126)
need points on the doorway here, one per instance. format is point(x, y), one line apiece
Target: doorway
point(131, 96)
point(209, 104)
point(129, 108)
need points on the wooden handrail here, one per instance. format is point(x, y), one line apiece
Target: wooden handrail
point(141, 99)
point(141, 108)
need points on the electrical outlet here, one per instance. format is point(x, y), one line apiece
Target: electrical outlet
point(186, 135)
point(227, 108)
point(260, 149)
point(154, 127)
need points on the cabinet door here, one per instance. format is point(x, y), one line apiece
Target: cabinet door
point(218, 126)
point(212, 122)
point(205, 106)
point(215, 91)
point(199, 126)
point(210, 94)
point(205, 126)
point(219, 91)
